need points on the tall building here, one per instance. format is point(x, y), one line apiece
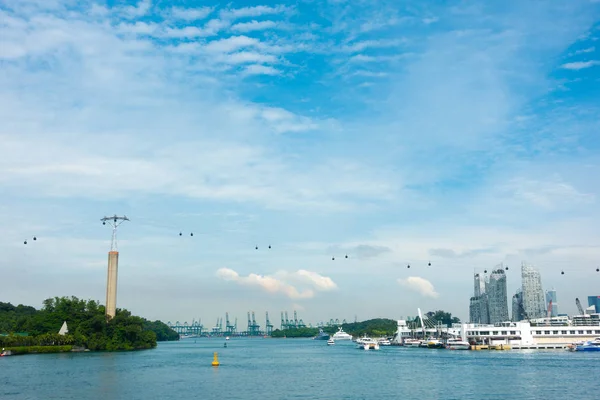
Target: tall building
point(551, 297)
point(479, 282)
point(478, 310)
point(594, 301)
point(478, 304)
point(497, 297)
point(517, 306)
point(533, 294)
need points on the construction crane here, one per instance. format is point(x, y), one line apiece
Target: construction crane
point(581, 312)
point(295, 319)
point(268, 325)
point(283, 326)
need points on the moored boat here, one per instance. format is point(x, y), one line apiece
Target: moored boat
point(412, 342)
point(457, 344)
point(590, 345)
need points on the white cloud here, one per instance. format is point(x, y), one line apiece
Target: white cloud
point(318, 281)
point(586, 50)
point(257, 69)
point(253, 26)
point(243, 57)
point(419, 285)
point(233, 43)
point(577, 65)
point(141, 9)
point(267, 283)
point(191, 14)
point(549, 194)
point(255, 11)
point(372, 44)
point(186, 32)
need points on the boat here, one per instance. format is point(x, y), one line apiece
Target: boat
point(322, 335)
point(457, 344)
point(367, 343)
point(412, 342)
point(384, 342)
point(226, 337)
point(432, 343)
point(590, 345)
point(330, 342)
point(341, 335)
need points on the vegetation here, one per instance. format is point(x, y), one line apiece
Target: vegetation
point(445, 318)
point(380, 327)
point(86, 323)
point(39, 349)
point(373, 327)
point(295, 332)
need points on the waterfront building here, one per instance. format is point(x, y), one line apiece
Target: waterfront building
point(595, 302)
point(551, 297)
point(533, 295)
point(497, 297)
point(517, 306)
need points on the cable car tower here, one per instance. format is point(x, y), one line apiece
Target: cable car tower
point(113, 266)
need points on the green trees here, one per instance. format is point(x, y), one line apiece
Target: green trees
point(443, 317)
point(374, 327)
point(86, 323)
point(295, 332)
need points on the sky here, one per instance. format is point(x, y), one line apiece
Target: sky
point(457, 133)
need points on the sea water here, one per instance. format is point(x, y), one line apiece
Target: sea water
point(257, 368)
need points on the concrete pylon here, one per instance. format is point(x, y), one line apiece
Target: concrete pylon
point(111, 284)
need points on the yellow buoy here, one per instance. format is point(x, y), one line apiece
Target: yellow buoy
point(215, 362)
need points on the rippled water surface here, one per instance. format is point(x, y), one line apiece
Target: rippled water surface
point(300, 369)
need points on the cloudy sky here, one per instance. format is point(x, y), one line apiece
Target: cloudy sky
point(395, 132)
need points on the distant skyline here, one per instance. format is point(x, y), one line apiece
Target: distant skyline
point(398, 133)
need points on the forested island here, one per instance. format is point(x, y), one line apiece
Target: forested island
point(373, 327)
point(379, 327)
point(24, 329)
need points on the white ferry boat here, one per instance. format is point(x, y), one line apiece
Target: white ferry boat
point(366, 343)
point(384, 342)
point(553, 333)
point(457, 344)
point(341, 335)
point(412, 342)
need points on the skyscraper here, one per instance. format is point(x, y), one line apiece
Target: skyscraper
point(479, 288)
point(594, 301)
point(497, 297)
point(551, 297)
point(517, 306)
point(533, 294)
point(478, 304)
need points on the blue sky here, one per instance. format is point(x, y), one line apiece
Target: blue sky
point(458, 133)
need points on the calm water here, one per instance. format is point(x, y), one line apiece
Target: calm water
point(300, 369)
